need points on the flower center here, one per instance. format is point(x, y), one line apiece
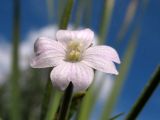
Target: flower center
point(74, 51)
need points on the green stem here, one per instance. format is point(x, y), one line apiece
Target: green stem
point(144, 97)
point(66, 15)
point(15, 89)
point(46, 98)
point(65, 106)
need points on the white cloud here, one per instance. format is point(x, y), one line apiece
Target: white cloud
point(26, 47)
point(5, 53)
point(25, 50)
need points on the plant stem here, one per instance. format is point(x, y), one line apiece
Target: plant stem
point(46, 98)
point(144, 97)
point(15, 89)
point(66, 102)
point(66, 14)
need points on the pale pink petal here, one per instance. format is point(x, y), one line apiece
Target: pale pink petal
point(43, 43)
point(99, 63)
point(48, 53)
point(103, 52)
point(78, 73)
point(84, 36)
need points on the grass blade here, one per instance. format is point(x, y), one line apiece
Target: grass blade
point(46, 99)
point(15, 88)
point(65, 106)
point(66, 14)
point(90, 99)
point(145, 95)
point(53, 106)
point(85, 108)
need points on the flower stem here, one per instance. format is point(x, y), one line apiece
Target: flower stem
point(144, 97)
point(66, 102)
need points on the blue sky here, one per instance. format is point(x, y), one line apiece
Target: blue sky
point(34, 15)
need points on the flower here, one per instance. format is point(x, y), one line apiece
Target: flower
point(73, 58)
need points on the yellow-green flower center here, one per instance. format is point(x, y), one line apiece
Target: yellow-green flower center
point(74, 51)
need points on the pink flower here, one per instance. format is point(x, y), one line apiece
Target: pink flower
point(73, 58)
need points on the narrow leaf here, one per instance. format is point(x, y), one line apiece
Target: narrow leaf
point(66, 14)
point(15, 111)
point(55, 101)
point(145, 96)
point(46, 99)
point(66, 102)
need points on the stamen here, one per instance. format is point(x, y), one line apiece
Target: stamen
point(74, 51)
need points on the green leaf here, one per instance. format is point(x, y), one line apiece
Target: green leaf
point(85, 108)
point(55, 101)
point(76, 102)
point(46, 99)
point(66, 14)
point(145, 96)
point(15, 108)
point(89, 100)
point(64, 108)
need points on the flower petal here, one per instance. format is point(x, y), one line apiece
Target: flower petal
point(44, 43)
point(100, 64)
point(48, 52)
point(84, 36)
point(78, 73)
point(104, 52)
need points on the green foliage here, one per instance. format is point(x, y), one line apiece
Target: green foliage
point(145, 95)
point(15, 101)
point(25, 97)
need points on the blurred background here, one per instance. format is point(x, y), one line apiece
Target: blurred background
point(132, 27)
